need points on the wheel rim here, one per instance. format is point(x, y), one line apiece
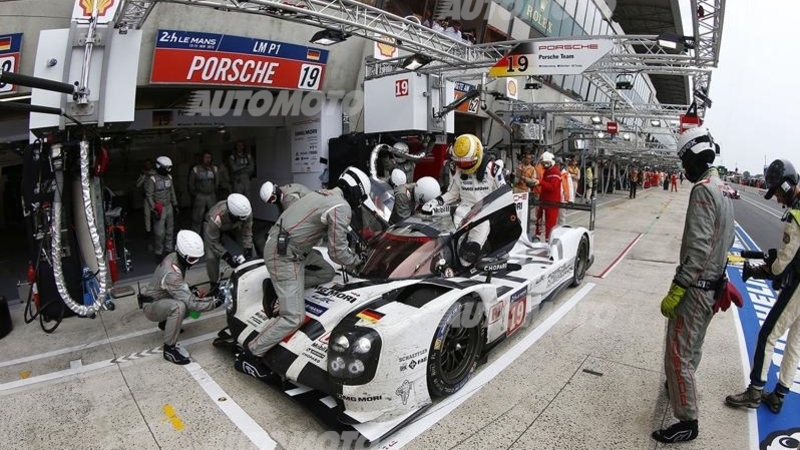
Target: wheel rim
point(458, 348)
point(580, 262)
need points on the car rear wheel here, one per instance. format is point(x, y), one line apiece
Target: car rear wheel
point(581, 261)
point(455, 348)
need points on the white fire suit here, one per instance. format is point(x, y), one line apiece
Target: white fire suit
point(785, 313)
point(470, 189)
point(160, 189)
point(291, 193)
point(307, 221)
point(708, 234)
point(219, 222)
point(172, 298)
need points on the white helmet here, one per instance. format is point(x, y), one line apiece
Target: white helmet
point(355, 186)
point(189, 246)
point(398, 177)
point(427, 189)
point(548, 157)
point(267, 192)
point(239, 206)
point(401, 147)
point(697, 150)
point(163, 164)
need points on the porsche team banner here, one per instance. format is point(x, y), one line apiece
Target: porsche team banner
point(566, 57)
point(775, 431)
point(195, 58)
point(10, 45)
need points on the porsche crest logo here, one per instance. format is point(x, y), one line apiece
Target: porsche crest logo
point(102, 6)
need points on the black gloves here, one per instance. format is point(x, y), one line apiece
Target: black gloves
point(228, 258)
point(772, 255)
point(248, 253)
point(218, 302)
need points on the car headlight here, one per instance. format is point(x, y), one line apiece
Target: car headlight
point(353, 355)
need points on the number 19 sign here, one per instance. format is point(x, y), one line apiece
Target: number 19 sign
point(9, 58)
point(567, 57)
point(194, 58)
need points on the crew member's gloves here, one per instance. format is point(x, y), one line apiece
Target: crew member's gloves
point(428, 207)
point(158, 210)
point(238, 260)
point(248, 253)
point(672, 300)
point(772, 255)
point(228, 258)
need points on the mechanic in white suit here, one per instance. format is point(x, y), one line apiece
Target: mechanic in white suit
point(472, 178)
point(291, 240)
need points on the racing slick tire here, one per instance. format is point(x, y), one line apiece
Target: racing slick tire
point(456, 346)
point(581, 261)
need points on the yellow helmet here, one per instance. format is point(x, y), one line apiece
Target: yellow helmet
point(467, 153)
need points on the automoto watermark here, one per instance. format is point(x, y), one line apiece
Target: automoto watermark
point(541, 12)
point(332, 440)
point(259, 103)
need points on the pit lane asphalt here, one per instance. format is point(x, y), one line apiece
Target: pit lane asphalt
point(594, 380)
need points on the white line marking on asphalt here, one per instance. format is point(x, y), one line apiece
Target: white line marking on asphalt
point(769, 211)
point(445, 407)
point(238, 416)
point(105, 341)
point(83, 369)
point(752, 415)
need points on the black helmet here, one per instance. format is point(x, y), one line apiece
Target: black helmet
point(780, 174)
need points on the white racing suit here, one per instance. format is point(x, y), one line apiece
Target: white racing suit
point(172, 299)
point(470, 189)
point(203, 185)
point(785, 313)
point(317, 214)
point(160, 189)
point(708, 234)
point(219, 222)
point(316, 266)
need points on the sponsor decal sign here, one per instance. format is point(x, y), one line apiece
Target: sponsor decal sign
point(470, 107)
point(10, 45)
point(567, 57)
point(774, 430)
point(195, 58)
point(314, 309)
point(106, 9)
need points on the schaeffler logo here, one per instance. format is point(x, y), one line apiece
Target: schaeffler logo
point(102, 6)
point(265, 103)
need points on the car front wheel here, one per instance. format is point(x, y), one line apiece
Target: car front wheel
point(581, 261)
point(456, 346)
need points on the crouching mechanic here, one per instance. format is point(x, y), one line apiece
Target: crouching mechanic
point(233, 216)
point(708, 233)
point(781, 180)
point(303, 225)
point(473, 178)
point(409, 197)
point(168, 298)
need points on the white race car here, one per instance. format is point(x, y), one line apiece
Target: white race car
point(414, 323)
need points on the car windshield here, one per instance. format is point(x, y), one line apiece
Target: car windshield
point(395, 256)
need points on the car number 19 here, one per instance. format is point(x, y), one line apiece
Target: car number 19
point(516, 316)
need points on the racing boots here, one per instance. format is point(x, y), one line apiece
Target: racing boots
point(774, 400)
point(173, 355)
point(685, 430)
point(750, 398)
point(249, 364)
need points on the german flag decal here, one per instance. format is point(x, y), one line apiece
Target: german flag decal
point(370, 315)
point(519, 61)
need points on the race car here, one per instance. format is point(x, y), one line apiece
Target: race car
point(728, 191)
point(414, 323)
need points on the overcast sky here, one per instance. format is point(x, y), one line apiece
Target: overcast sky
point(756, 87)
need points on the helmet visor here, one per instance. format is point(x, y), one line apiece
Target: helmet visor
point(192, 260)
point(464, 164)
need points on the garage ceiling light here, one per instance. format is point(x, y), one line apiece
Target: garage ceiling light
point(328, 37)
point(416, 61)
point(597, 120)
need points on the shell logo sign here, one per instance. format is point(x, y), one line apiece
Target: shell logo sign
point(106, 9)
point(88, 5)
point(385, 51)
